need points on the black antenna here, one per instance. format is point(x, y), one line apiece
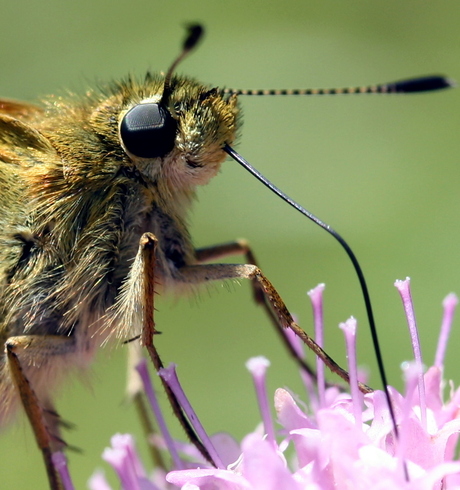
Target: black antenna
point(411, 85)
point(195, 33)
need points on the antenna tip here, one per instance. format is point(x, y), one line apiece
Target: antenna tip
point(441, 82)
point(195, 32)
point(424, 84)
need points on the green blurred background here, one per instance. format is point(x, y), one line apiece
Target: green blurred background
point(382, 170)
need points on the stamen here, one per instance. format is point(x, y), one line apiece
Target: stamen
point(404, 290)
point(349, 330)
point(316, 298)
point(60, 463)
point(125, 442)
point(295, 341)
point(98, 482)
point(450, 302)
point(411, 373)
point(308, 379)
point(124, 460)
point(151, 396)
point(169, 375)
point(257, 366)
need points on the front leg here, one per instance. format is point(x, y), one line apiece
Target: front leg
point(136, 305)
point(283, 319)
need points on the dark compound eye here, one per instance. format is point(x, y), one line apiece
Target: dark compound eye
point(148, 131)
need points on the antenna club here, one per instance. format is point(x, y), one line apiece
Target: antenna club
point(195, 34)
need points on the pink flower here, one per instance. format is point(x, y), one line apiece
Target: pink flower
point(338, 441)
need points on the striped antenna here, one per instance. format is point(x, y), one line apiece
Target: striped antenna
point(409, 86)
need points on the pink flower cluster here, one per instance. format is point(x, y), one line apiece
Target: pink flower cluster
point(339, 441)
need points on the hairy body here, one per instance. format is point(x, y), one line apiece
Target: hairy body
point(73, 208)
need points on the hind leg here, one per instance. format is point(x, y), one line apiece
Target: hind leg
point(30, 357)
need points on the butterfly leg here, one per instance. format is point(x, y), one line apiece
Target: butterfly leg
point(230, 249)
point(242, 247)
point(273, 303)
point(143, 274)
point(30, 365)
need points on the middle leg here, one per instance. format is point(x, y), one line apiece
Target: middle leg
point(275, 306)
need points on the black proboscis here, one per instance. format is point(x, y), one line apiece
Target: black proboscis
point(362, 281)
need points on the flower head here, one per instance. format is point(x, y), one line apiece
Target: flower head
point(339, 440)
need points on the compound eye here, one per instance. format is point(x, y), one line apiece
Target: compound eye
point(148, 131)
